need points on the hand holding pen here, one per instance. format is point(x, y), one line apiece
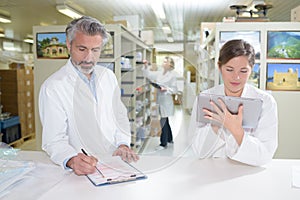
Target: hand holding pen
point(83, 164)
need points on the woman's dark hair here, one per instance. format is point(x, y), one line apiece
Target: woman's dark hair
point(235, 48)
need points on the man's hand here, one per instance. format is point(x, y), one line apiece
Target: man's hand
point(82, 164)
point(126, 153)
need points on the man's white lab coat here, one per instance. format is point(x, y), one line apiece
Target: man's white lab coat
point(73, 119)
point(258, 145)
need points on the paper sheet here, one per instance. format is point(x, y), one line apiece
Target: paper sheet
point(112, 170)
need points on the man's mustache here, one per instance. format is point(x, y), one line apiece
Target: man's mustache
point(86, 63)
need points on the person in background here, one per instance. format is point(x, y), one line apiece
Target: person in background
point(254, 146)
point(166, 79)
point(80, 105)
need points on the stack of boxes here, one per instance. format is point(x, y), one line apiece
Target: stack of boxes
point(17, 97)
point(155, 128)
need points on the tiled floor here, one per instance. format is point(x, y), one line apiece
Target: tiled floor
point(179, 125)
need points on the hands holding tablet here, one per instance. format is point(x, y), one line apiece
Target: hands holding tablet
point(230, 121)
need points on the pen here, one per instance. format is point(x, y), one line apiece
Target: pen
point(85, 153)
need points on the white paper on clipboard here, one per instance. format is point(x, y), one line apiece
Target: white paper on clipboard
point(114, 170)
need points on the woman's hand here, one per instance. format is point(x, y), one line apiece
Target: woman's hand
point(145, 62)
point(232, 122)
point(163, 89)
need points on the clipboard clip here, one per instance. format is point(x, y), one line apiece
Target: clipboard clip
point(122, 179)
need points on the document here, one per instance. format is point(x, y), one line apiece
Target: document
point(114, 170)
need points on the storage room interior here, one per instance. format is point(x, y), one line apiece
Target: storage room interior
point(191, 32)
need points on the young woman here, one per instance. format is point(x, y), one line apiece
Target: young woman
point(254, 146)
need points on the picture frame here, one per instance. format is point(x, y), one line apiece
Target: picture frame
point(283, 76)
point(254, 78)
point(252, 37)
point(51, 45)
point(283, 44)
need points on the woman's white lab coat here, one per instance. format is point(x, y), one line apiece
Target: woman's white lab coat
point(164, 98)
point(72, 118)
point(258, 145)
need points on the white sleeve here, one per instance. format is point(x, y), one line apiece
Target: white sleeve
point(152, 75)
point(205, 142)
point(122, 134)
point(54, 122)
point(259, 145)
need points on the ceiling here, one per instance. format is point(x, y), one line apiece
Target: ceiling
point(184, 16)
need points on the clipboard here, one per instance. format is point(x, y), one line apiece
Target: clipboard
point(251, 111)
point(156, 85)
point(114, 170)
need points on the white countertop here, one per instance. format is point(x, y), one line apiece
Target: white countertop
point(168, 178)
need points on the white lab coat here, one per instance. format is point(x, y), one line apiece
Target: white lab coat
point(72, 118)
point(258, 145)
point(164, 98)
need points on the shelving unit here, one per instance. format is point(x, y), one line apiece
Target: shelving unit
point(205, 78)
point(126, 53)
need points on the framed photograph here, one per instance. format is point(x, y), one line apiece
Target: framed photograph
point(108, 49)
point(51, 45)
point(283, 76)
point(252, 37)
point(254, 78)
point(283, 44)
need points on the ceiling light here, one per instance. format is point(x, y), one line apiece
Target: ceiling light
point(5, 19)
point(158, 10)
point(2, 34)
point(28, 40)
point(70, 12)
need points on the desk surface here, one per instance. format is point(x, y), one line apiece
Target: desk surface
point(169, 178)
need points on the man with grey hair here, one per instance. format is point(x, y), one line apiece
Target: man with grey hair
point(80, 105)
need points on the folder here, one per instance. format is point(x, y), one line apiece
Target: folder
point(114, 170)
point(156, 85)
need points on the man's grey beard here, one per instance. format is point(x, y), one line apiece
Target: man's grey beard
point(84, 69)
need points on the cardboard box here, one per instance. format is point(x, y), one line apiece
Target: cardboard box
point(16, 66)
point(155, 128)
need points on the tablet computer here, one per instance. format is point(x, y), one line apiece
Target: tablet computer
point(251, 111)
